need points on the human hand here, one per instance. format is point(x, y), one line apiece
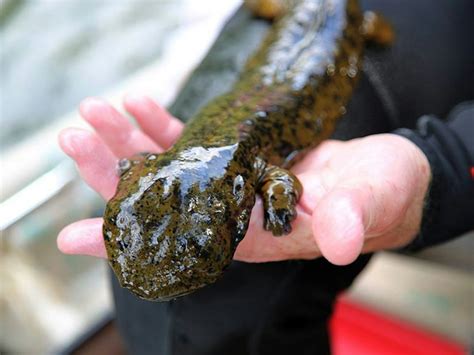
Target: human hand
point(359, 196)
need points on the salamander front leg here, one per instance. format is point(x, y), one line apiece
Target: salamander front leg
point(280, 191)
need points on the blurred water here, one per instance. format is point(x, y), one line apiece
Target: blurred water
point(55, 52)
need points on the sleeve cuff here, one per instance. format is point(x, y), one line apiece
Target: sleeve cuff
point(449, 204)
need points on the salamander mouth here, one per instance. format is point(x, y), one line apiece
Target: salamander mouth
point(190, 284)
point(164, 289)
point(170, 293)
point(173, 296)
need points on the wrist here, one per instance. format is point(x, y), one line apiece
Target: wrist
point(448, 209)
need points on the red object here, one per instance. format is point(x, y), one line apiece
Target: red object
point(358, 330)
point(472, 172)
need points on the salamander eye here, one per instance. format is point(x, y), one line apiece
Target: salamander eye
point(238, 188)
point(123, 166)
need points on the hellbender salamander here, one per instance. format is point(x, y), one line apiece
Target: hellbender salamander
point(176, 218)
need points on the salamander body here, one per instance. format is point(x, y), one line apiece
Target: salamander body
point(177, 217)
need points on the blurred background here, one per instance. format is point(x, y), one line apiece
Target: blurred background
point(53, 54)
point(56, 52)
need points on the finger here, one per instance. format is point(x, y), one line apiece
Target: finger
point(399, 236)
point(338, 225)
point(154, 120)
point(260, 245)
point(115, 130)
point(96, 163)
point(83, 238)
point(348, 218)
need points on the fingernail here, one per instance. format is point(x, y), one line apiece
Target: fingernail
point(89, 103)
point(71, 140)
point(136, 98)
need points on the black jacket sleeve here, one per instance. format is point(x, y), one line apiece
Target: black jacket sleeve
point(449, 147)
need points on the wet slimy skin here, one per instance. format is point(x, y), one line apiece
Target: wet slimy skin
point(176, 218)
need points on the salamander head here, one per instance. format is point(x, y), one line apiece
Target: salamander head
point(175, 221)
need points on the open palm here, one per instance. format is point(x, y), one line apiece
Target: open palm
point(362, 195)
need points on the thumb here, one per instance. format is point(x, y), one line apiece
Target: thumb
point(338, 224)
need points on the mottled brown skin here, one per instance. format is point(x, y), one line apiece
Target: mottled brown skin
point(176, 218)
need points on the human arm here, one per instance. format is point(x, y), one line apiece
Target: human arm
point(449, 147)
